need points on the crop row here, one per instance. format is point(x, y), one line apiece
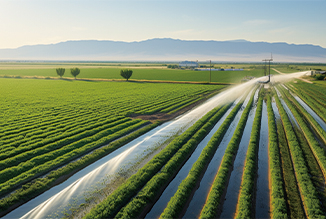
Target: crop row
point(62, 139)
point(44, 163)
point(213, 202)
point(27, 127)
point(81, 136)
point(313, 102)
point(182, 195)
point(290, 183)
point(147, 108)
point(319, 97)
point(317, 150)
point(321, 132)
point(47, 130)
point(178, 105)
point(313, 90)
point(34, 119)
point(113, 104)
point(185, 105)
point(307, 190)
point(38, 186)
point(278, 197)
point(122, 195)
point(244, 207)
point(157, 184)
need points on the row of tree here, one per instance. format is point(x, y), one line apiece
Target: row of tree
point(125, 73)
point(74, 72)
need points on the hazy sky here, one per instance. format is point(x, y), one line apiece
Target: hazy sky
point(29, 22)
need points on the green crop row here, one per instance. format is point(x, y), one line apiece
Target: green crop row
point(122, 195)
point(316, 96)
point(308, 192)
point(160, 104)
point(180, 198)
point(278, 199)
point(321, 132)
point(244, 207)
point(157, 184)
point(213, 202)
point(185, 105)
point(44, 163)
point(84, 137)
point(162, 107)
point(25, 129)
point(317, 150)
point(291, 187)
point(58, 141)
point(167, 102)
point(38, 186)
point(179, 104)
point(312, 102)
point(41, 133)
point(312, 89)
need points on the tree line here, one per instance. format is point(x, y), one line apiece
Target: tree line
point(74, 72)
point(125, 73)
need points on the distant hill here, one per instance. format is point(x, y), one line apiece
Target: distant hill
point(167, 49)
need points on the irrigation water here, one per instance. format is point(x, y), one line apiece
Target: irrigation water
point(262, 192)
point(125, 161)
point(162, 202)
point(198, 201)
point(75, 190)
point(311, 112)
point(233, 189)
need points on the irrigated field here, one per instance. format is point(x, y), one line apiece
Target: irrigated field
point(46, 124)
point(250, 151)
point(280, 168)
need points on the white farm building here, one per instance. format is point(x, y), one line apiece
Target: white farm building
point(188, 64)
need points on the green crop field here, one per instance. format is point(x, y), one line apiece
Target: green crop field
point(163, 74)
point(48, 123)
point(261, 154)
point(294, 185)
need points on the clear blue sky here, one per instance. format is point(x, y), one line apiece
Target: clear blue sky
point(29, 22)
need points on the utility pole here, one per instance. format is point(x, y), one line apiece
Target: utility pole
point(269, 65)
point(210, 70)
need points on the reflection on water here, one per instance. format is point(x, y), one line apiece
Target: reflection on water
point(233, 188)
point(198, 201)
point(262, 192)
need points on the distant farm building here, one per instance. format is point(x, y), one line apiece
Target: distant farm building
point(188, 64)
point(317, 72)
point(219, 69)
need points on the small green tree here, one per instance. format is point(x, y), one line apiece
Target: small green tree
point(75, 72)
point(126, 73)
point(60, 71)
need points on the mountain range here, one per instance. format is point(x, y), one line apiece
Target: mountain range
point(166, 49)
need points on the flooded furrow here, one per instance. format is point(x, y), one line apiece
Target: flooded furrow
point(287, 110)
point(160, 205)
point(294, 202)
point(319, 120)
point(198, 200)
point(294, 122)
point(262, 191)
point(233, 189)
point(118, 163)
